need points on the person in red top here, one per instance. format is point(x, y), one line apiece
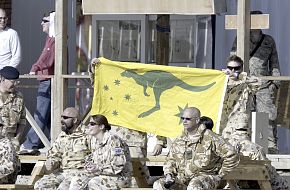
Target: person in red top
point(43, 66)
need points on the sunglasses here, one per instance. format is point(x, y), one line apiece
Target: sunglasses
point(235, 68)
point(44, 20)
point(92, 123)
point(187, 118)
point(65, 117)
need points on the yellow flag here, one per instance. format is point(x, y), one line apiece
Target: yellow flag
point(151, 98)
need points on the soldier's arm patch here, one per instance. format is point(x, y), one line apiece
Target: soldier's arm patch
point(119, 151)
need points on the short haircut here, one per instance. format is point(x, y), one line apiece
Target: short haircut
point(102, 120)
point(235, 58)
point(207, 121)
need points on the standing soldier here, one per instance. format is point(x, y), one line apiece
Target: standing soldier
point(237, 102)
point(264, 62)
point(198, 159)
point(12, 109)
point(66, 158)
point(9, 161)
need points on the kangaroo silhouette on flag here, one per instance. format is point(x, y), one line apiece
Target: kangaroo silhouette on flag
point(160, 81)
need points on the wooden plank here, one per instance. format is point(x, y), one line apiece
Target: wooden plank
point(34, 76)
point(257, 21)
point(26, 158)
point(243, 32)
point(190, 7)
point(16, 186)
point(37, 172)
point(281, 78)
point(245, 172)
point(37, 130)
point(162, 41)
point(58, 85)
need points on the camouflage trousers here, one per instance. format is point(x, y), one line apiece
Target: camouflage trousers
point(9, 179)
point(277, 181)
point(59, 180)
point(236, 121)
point(100, 182)
point(265, 104)
point(140, 167)
point(202, 182)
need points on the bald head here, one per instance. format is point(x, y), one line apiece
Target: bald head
point(3, 19)
point(190, 118)
point(193, 111)
point(70, 112)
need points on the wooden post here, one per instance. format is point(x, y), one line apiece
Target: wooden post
point(162, 42)
point(61, 65)
point(243, 32)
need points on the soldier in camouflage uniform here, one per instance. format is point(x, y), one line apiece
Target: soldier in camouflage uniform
point(198, 159)
point(264, 62)
point(66, 158)
point(136, 140)
point(237, 101)
point(12, 109)
point(10, 164)
point(109, 166)
point(240, 139)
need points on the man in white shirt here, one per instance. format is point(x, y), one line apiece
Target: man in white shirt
point(10, 50)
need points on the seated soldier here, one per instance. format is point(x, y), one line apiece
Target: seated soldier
point(109, 165)
point(240, 139)
point(12, 108)
point(10, 163)
point(198, 159)
point(66, 158)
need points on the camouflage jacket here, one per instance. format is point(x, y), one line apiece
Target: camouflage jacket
point(136, 138)
point(206, 153)
point(238, 99)
point(112, 156)
point(12, 111)
point(10, 163)
point(240, 140)
point(69, 150)
point(265, 61)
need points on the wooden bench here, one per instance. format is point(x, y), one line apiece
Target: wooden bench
point(31, 159)
point(246, 170)
point(36, 174)
point(16, 187)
